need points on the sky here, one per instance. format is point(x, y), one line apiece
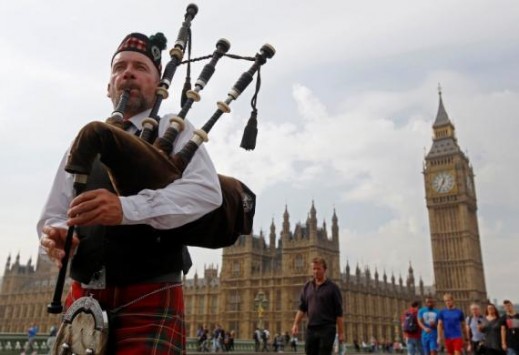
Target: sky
point(345, 113)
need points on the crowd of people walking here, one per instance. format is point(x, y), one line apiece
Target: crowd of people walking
point(429, 330)
point(216, 340)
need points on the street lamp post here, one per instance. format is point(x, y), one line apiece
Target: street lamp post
point(396, 324)
point(260, 304)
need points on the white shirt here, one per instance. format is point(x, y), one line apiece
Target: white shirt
point(195, 194)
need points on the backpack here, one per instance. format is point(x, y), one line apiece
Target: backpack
point(410, 323)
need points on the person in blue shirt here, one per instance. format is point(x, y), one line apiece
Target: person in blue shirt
point(428, 321)
point(477, 337)
point(31, 335)
point(451, 327)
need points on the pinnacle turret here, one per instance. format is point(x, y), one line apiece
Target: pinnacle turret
point(335, 227)
point(286, 222)
point(442, 118)
point(272, 236)
point(444, 141)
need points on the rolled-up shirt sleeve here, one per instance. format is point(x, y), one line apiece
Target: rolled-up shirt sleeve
point(54, 212)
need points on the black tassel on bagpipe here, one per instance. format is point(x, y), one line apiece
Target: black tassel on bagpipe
point(250, 133)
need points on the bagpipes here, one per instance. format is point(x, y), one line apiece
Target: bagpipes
point(135, 163)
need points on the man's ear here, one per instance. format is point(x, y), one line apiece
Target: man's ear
point(108, 90)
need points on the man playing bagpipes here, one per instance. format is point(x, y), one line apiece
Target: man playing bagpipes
point(119, 256)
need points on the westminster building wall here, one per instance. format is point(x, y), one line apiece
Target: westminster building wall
point(275, 270)
point(272, 270)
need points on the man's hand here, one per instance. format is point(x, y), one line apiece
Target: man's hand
point(295, 330)
point(95, 207)
point(53, 242)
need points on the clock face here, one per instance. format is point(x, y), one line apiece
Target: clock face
point(443, 182)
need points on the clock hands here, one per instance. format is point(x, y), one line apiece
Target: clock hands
point(442, 183)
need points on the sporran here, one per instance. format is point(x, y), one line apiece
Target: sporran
point(84, 329)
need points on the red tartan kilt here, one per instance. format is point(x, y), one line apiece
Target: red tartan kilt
point(152, 325)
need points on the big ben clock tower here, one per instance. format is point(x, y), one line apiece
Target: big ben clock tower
point(452, 205)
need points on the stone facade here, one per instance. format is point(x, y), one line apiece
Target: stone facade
point(253, 268)
point(25, 292)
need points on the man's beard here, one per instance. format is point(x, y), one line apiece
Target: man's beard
point(137, 102)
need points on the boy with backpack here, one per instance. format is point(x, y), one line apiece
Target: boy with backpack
point(411, 329)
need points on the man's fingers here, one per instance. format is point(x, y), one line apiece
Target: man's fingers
point(53, 242)
point(81, 198)
point(46, 242)
point(78, 219)
point(95, 207)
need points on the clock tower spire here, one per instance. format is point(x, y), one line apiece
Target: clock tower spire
point(452, 205)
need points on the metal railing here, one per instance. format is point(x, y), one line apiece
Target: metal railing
point(14, 343)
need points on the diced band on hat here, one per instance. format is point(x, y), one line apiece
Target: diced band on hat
point(151, 47)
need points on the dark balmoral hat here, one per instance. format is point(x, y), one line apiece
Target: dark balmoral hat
point(151, 47)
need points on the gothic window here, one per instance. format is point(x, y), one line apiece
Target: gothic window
point(188, 304)
point(295, 300)
point(236, 268)
point(299, 263)
point(255, 267)
point(214, 304)
point(234, 301)
point(201, 305)
point(278, 300)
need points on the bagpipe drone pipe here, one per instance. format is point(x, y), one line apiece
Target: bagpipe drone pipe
point(135, 163)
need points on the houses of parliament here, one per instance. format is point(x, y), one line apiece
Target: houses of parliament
point(261, 276)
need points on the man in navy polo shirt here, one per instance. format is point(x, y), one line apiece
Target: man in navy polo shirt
point(321, 301)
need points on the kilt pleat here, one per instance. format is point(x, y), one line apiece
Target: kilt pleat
point(142, 320)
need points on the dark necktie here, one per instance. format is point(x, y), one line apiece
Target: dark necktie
point(127, 124)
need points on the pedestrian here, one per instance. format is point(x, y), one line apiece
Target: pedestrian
point(510, 329)
point(31, 340)
point(491, 327)
point(321, 301)
point(52, 338)
point(411, 329)
point(257, 339)
point(293, 343)
point(428, 322)
point(286, 342)
point(123, 254)
point(477, 338)
point(356, 345)
point(452, 328)
point(265, 336)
